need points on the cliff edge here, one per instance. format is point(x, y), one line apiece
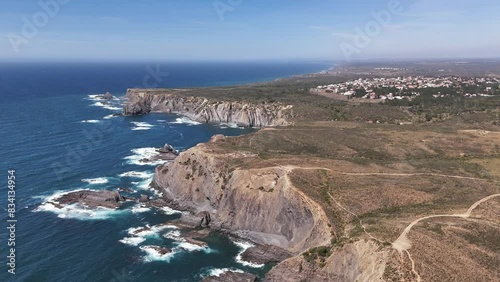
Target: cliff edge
point(143, 101)
point(260, 204)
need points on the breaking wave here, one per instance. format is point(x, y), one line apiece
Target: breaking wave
point(185, 120)
point(243, 247)
point(94, 181)
point(106, 105)
point(141, 157)
point(90, 121)
point(217, 272)
point(142, 125)
point(137, 174)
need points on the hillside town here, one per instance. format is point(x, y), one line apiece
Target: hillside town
point(399, 88)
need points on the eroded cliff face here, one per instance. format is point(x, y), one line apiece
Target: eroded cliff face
point(258, 204)
point(358, 261)
point(143, 101)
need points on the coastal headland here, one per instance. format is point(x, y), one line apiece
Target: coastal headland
point(333, 184)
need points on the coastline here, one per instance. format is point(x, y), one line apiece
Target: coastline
point(277, 186)
point(374, 161)
point(253, 257)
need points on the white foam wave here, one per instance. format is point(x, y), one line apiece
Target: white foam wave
point(77, 211)
point(109, 116)
point(185, 120)
point(169, 211)
point(183, 244)
point(142, 125)
point(98, 104)
point(90, 121)
point(136, 236)
point(94, 181)
point(192, 247)
point(230, 125)
point(145, 184)
point(149, 231)
point(219, 271)
point(137, 174)
point(112, 108)
point(106, 106)
point(98, 97)
point(132, 241)
point(153, 255)
point(143, 154)
point(243, 247)
point(174, 235)
point(141, 128)
point(139, 208)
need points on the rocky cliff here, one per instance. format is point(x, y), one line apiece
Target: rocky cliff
point(143, 101)
point(260, 204)
point(358, 261)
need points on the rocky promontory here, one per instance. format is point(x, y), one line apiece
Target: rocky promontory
point(258, 204)
point(200, 109)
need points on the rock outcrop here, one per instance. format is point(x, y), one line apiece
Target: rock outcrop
point(264, 254)
point(143, 101)
point(107, 96)
point(258, 204)
point(166, 153)
point(91, 199)
point(358, 261)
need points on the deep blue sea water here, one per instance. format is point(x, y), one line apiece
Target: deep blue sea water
point(58, 139)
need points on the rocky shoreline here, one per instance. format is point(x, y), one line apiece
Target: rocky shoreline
point(143, 101)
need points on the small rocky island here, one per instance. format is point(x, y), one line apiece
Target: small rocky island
point(166, 153)
point(107, 96)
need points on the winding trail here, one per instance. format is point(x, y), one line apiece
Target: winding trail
point(413, 269)
point(403, 243)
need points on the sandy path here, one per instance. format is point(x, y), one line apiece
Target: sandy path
point(403, 243)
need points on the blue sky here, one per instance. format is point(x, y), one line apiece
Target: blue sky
point(247, 29)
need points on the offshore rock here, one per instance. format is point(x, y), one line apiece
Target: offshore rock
point(107, 96)
point(92, 199)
